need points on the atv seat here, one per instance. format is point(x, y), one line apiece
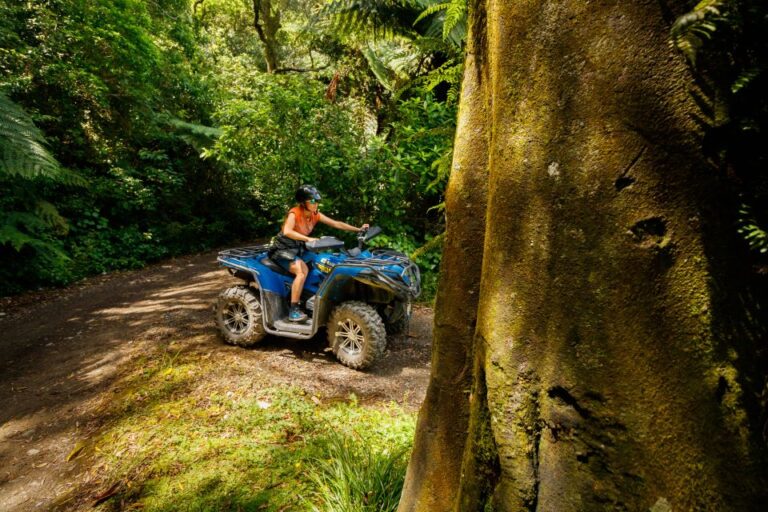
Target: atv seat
point(267, 262)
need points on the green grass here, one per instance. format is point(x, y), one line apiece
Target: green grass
point(352, 477)
point(182, 438)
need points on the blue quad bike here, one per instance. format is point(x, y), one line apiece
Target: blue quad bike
point(358, 295)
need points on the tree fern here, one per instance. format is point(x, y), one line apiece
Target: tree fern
point(378, 18)
point(24, 158)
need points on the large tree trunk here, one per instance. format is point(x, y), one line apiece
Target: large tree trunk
point(610, 365)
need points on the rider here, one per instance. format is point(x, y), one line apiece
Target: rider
point(298, 225)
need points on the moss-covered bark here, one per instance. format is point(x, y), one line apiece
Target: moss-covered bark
point(435, 467)
point(610, 360)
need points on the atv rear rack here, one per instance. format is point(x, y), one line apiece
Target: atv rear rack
point(242, 253)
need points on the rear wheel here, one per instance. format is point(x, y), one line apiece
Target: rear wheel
point(356, 334)
point(238, 316)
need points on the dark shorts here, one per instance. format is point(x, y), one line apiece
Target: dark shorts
point(284, 262)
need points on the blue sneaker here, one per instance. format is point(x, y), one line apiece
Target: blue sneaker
point(296, 314)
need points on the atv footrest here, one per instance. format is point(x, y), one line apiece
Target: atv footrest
point(295, 327)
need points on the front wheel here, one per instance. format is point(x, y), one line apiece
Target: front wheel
point(238, 316)
point(356, 334)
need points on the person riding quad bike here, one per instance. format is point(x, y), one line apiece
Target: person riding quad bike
point(298, 225)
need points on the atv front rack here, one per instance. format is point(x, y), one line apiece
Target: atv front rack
point(410, 270)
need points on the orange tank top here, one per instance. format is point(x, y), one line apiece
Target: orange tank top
point(302, 224)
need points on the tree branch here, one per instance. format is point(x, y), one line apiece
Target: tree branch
point(300, 70)
point(266, 37)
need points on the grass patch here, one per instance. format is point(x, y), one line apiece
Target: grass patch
point(182, 438)
point(354, 477)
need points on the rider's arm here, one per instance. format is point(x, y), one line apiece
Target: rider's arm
point(340, 225)
point(290, 223)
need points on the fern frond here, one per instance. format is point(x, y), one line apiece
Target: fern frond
point(385, 76)
point(198, 136)
point(10, 235)
point(745, 79)
point(432, 9)
point(379, 18)
point(51, 216)
point(442, 168)
point(455, 14)
point(753, 233)
point(196, 129)
point(451, 72)
point(692, 29)
point(449, 21)
point(393, 63)
point(18, 229)
point(23, 149)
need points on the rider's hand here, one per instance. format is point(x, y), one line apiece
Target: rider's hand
point(364, 226)
point(311, 239)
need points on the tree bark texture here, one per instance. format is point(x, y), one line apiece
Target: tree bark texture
point(607, 362)
point(435, 464)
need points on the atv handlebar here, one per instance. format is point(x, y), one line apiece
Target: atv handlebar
point(366, 234)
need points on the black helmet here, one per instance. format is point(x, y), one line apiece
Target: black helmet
point(307, 192)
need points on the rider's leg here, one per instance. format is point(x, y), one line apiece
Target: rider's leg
point(299, 268)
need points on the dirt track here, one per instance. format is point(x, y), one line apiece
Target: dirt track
point(61, 351)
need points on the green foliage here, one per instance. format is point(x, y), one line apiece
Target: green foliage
point(453, 18)
point(198, 136)
point(756, 237)
point(171, 138)
point(23, 151)
point(375, 18)
point(27, 222)
point(118, 88)
point(287, 134)
point(283, 134)
point(352, 477)
point(691, 30)
point(727, 42)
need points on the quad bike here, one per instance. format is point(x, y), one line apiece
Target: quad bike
point(358, 295)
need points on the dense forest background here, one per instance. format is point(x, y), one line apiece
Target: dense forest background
point(136, 130)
